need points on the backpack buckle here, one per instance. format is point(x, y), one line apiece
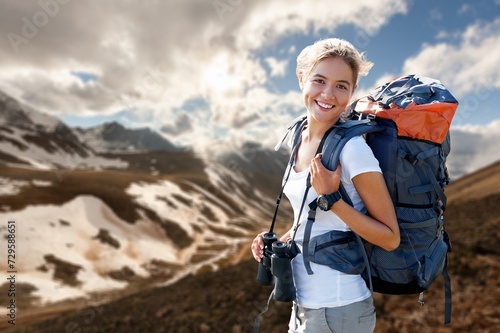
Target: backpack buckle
point(410, 158)
point(421, 299)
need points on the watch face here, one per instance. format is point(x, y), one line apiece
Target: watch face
point(323, 203)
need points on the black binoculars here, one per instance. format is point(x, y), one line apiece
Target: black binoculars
point(275, 267)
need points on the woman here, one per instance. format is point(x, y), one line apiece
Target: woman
point(329, 300)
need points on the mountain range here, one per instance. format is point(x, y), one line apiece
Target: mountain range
point(114, 137)
point(109, 208)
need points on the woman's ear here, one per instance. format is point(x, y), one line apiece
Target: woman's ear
point(301, 80)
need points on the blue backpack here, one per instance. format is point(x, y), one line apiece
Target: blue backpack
point(406, 123)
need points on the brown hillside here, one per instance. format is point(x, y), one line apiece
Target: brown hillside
point(229, 299)
point(479, 185)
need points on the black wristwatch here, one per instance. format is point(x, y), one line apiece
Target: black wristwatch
point(326, 201)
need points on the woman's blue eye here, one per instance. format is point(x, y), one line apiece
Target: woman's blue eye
point(319, 81)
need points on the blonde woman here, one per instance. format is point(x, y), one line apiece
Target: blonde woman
point(330, 300)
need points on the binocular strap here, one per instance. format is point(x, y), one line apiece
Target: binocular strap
point(256, 325)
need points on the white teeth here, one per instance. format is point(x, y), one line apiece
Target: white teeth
point(326, 106)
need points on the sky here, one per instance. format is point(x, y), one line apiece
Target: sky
point(213, 73)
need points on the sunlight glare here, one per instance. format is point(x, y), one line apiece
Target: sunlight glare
point(218, 76)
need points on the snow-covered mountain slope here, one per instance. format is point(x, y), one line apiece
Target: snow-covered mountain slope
point(94, 230)
point(85, 238)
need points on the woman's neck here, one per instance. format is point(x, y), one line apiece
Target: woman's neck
point(316, 130)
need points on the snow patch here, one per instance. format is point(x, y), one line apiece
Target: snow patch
point(71, 238)
point(41, 183)
point(11, 187)
point(171, 202)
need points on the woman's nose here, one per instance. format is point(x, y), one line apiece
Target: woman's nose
point(328, 92)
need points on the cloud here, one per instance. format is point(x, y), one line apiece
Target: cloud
point(465, 9)
point(467, 67)
point(278, 68)
point(182, 124)
point(153, 56)
point(435, 15)
point(473, 147)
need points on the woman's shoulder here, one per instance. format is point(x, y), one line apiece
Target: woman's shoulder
point(357, 157)
point(355, 149)
point(356, 142)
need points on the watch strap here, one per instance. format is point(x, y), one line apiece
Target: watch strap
point(333, 198)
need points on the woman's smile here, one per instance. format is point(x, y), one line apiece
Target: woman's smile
point(324, 105)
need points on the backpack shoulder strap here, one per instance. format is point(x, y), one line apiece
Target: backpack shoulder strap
point(337, 139)
point(296, 126)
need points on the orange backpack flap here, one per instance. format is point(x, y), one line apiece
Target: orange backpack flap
point(428, 122)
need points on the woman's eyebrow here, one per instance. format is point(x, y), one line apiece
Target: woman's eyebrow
point(319, 75)
point(324, 77)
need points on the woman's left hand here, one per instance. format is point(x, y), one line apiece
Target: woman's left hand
point(323, 180)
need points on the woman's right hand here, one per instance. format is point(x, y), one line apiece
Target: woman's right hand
point(258, 246)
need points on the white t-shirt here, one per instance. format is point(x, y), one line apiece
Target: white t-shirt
point(328, 287)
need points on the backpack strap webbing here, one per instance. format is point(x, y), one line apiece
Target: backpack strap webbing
point(447, 293)
point(348, 200)
point(434, 185)
point(311, 217)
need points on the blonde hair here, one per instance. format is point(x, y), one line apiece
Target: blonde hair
point(332, 47)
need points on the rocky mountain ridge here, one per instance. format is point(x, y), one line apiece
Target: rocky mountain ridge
point(113, 137)
point(34, 139)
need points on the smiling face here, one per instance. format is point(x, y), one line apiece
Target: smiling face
point(327, 89)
